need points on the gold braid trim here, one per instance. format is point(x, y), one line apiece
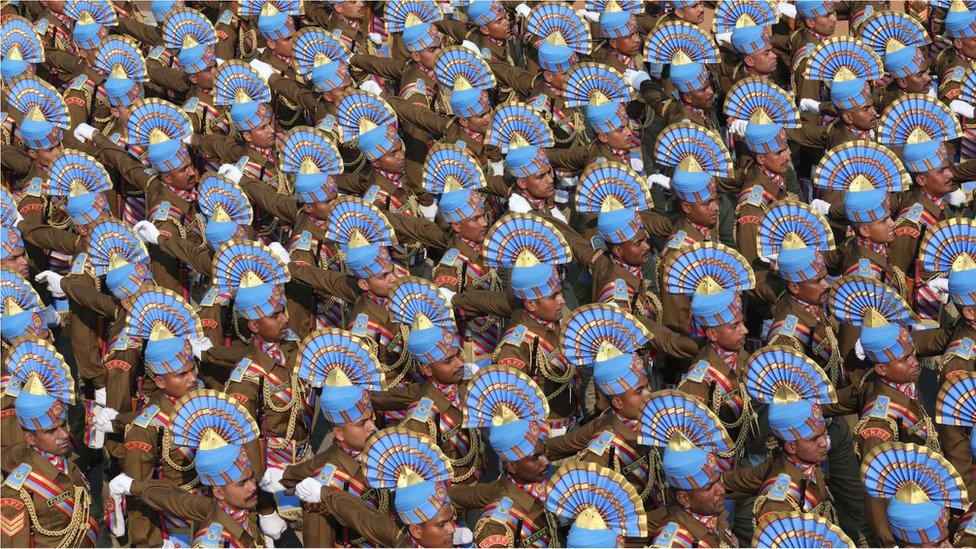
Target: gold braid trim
point(864, 421)
point(167, 447)
point(474, 451)
point(294, 406)
point(75, 532)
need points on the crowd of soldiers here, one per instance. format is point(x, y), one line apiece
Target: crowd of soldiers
point(476, 273)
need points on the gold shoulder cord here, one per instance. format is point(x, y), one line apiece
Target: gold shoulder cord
point(75, 532)
point(167, 447)
point(835, 361)
point(294, 406)
point(474, 436)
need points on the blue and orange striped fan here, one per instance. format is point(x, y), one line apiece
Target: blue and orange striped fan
point(590, 327)
point(788, 530)
point(243, 264)
point(596, 83)
point(155, 309)
point(893, 30)
point(101, 13)
point(154, 120)
point(915, 116)
point(891, 466)
point(497, 389)
point(120, 54)
point(600, 6)
point(515, 125)
point(304, 145)
point(956, 403)
point(743, 13)
point(843, 58)
point(852, 299)
point(223, 200)
point(17, 294)
point(519, 233)
point(393, 451)
point(687, 139)
point(944, 243)
point(754, 97)
point(237, 82)
point(330, 348)
point(351, 215)
point(671, 413)
point(790, 220)
point(30, 95)
point(550, 18)
point(690, 266)
point(203, 413)
point(450, 167)
point(577, 489)
point(862, 161)
point(315, 47)
point(110, 240)
point(776, 369)
point(8, 207)
point(186, 28)
point(253, 8)
point(39, 359)
point(360, 111)
point(412, 297)
point(17, 34)
point(968, 88)
point(74, 173)
point(459, 68)
point(602, 181)
point(678, 43)
point(407, 13)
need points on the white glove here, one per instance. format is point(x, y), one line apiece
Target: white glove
point(859, 349)
point(53, 282)
point(637, 164)
point(83, 132)
point(592, 16)
point(962, 108)
point(199, 345)
point(497, 168)
point(280, 252)
point(370, 85)
point(147, 231)
point(786, 9)
point(271, 481)
point(660, 180)
point(263, 69)
point(636, 78)
point(724, 38)
point(120, 485)
point(939, 284)
point(219, 61)
point(428, 211)
point(448, 295)
point(17, 218)
point(738, 127)
point(523, 10)
point(471, 46)
point(768, 258)
point(447, 8)
point(188, 139)
point(273, 525)
point(463, 536)
point(821, 206)
point(810, 106)
point(231, 172)
point(309, 490)
point(168, 544)
point(956, 198)
point(101, 395)
point(375, 38)
point(470, 369)
point(103, 419)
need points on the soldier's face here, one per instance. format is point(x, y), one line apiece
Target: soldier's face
point(380, 285)
point(731, 336)
point(438, 531)
point(17, 262)
point(319, 210)
point(272, 327)
point(499, 29)
point(763, 61)
point(631, 403)
point(628, 45)
point(813, 291)
point(263, 136)
point(919, 82)
point(700, 99)
point(448, 371)
point(205, 78)
point(812, 449)
point(177, 384)
point(702, 213)
point(621, 138)
point(351, 9)
point(531, 468)
point(353, 435)
point(479, 122)
point(56, 6)
point(902, 370)
point(879, 232)
point(394, 161)
point(863, 118)
point(473, 228)
point(825, 24)
point(635, 251)
point(45, 157)
point(53, 440)
point(558, 79)
point(428, 56)
point(937, 182)
point(694, 14)
point(965, 45)
point(242, 494)
point(183, 178)
point(777, 162)
point(549, 309)
point(539, 186)
point(709, 500)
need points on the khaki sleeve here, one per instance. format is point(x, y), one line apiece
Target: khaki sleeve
point(668, 341)
point(140, 452)
point(335, 283)
point(955, 447)
point(491, 533)
point(516, 78)
point(422, 117)
point(745, 482)
point(198, 257)
point(45, 236)
point(162, 496)
point(353, 512)
point(247, 392)
point(128, 167)
point(383, 67)
point(80, 289)
point(119, 377)
point(222, 147)
point(486, 302)
point(281, 206)
point(16, 522)
point(296, 473)
point(411, 229)
point(569, 160)
point(295, 93)
point(570, 444)
point(656, 224)
point(169, 78)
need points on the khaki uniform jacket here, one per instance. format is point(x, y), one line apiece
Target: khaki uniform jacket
point(515, 519)
point(679, 529)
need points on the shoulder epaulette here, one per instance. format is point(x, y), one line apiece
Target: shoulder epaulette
point(698, 371)
point(516, 336)
point(421, 412)
point(120, 342)
point(913, 214)
point(970, 527)
point(156, 53)
point(778, 491)
point(880, 408)
point(79, 263)
point(540, 102)
point(209, 298)
point(599, 444)
point(41, 26)
point(501, 511)
point(962, 348)
point(788, 328)
point(212, 538)
point(18, 476)
point(146, 417)
point(79, 82)
point(755, 197)
point(620, 292)
point(597, 242)
point(326, 474)
point(361, 326)
point(371, 193)
point(246, 367)
point(864, 267)
point(450, 257)
point(226, 17)
point(328, 123)
point(162, 213)
point(191, 104)
point(665, 537)
point(956, 74)
point(304, 242)
point(35, 186)
point(677, 240)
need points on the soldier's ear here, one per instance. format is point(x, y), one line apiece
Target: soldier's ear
point(158, 380)
point(880, 369)
point(338, 434)
point(846, 117)
point(29, 438)
point(363, 284)
point(969, 313)
point(218, 492)
point(530, 305)
point(426, 370)
point(681, 496)
point(416, 530)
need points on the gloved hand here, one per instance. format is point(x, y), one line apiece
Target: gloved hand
point(17, 218)
point(463, 537)
point(523, 10)
point(786, 9)
point(263, 69)
point(637, 164)
point(120, 485)
point(167, 543)
point(956, 198)
point(939, 284)
point(231, 172)
point(497, 168)
point(309, 490)
point(375, 38)
point(738, 127)
point(100, 396)
point(272, 525)
point(84, 133)
point(636, 78)
point(147, 231)
point(271, 481)
point(448, 295)
point(809, 106)
point(280, 252)
point(768, 258)
point(199, 345)
point(859, 349)
point(188, 139)
point(962, 108)
point(102, 421)
point(724, 38)
point(660, 180)
point(470, 369)
point(53, 282)
point(471, 46)
point(592, 16)
point(821, 206)
point(370, 86)
point(219, 61)
point(429, 212)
